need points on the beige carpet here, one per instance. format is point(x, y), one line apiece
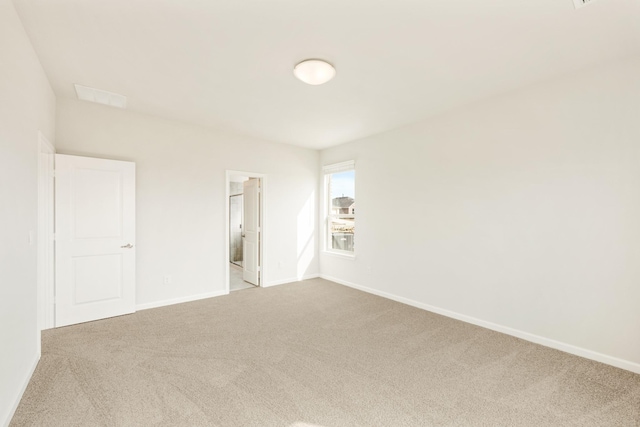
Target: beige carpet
point(313, 354)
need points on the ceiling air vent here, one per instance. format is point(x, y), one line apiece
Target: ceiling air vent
point(582, 3)
point(101, 96)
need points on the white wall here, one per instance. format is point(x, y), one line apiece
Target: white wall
point(27, 105)
point(181, 196)
point(523, 211)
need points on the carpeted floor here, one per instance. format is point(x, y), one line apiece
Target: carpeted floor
point(313, 354)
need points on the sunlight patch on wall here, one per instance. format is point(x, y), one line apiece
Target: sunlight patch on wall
point(305, 236)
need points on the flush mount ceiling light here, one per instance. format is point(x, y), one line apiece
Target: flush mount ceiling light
point(314, 71)
point(100, 96)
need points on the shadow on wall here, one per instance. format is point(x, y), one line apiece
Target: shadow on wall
point(306, 243)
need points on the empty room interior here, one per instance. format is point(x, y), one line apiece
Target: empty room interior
point(307, 213)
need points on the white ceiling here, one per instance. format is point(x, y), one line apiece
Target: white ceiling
point(228, 63)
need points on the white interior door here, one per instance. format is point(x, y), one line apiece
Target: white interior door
point(251, 231)
point(95, 237)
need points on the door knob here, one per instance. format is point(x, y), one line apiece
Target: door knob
point(127, 246)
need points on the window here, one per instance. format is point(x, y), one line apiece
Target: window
point(340, 193)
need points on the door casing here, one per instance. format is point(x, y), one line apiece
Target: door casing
point(263, 225)
point(46, 252)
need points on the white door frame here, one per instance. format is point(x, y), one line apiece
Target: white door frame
point(46, 251)
point(263, 226)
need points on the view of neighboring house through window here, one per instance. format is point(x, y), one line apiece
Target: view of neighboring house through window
point(340, 184)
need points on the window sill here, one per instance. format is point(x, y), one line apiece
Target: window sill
point(350, 257)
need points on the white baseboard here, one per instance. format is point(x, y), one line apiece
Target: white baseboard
point(547, 342)
point(25, 383)
point(290, 280)
point(163, 303)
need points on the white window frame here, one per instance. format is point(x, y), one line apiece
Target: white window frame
point(327, 171)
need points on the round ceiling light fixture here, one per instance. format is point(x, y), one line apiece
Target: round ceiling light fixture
point(314, 71)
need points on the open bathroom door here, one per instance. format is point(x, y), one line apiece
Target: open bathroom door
point(251, 232)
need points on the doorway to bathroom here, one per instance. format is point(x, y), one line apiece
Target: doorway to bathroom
point(245, 201)
point(235, 227)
